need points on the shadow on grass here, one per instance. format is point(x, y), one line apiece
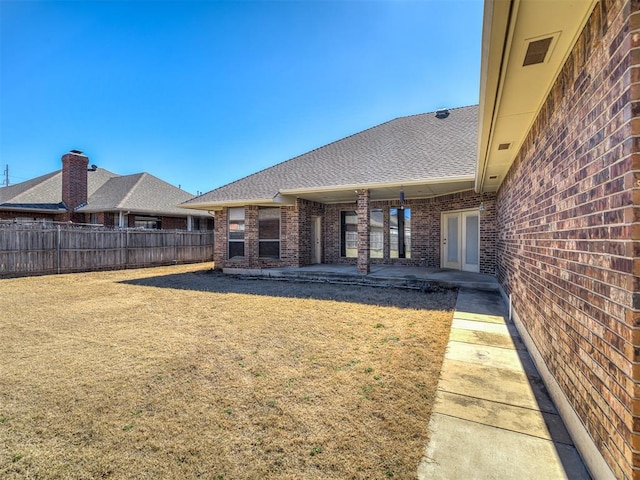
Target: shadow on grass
point(216, 282)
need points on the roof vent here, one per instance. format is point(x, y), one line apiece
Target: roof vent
point(93, 168)
point(442, 113)
point(504, 146)
point(537, 51)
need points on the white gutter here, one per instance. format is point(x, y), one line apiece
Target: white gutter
point(497, 33)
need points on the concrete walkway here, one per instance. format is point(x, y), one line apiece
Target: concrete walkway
point(493, 418)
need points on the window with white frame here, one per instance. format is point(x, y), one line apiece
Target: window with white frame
point(236, 232)
point(269, 232)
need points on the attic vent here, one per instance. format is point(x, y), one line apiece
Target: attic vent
point(537, 51)
point(444, 113)
point(504, 146)
point(493, 177)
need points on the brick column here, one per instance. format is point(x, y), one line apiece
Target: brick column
point(220, 239)
point(363, 231)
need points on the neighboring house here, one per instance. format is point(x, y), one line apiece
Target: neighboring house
point(91, 195)
point(379, 196)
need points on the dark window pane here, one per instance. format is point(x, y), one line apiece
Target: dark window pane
point(267, 249)
point(236, 249)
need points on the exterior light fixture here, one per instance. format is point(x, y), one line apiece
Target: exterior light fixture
point(401, 196)
point(481, 207)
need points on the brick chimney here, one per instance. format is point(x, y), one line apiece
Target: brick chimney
point(74, 183)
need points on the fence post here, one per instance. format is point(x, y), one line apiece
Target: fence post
point(58, 242)
point(175, 249)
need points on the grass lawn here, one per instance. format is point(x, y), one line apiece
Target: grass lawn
point(178, 372)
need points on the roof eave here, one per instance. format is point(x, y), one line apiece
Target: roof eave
point(32, 209)
point(220, 204)
point(495, 27)
point(371, 186)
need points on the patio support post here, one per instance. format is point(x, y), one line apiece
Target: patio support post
point(363, 231)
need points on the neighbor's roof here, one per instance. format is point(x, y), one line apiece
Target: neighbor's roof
point(106, 191)
point(407, 149)
point(45, 192)
point(142, 193)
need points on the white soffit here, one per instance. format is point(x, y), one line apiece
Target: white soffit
point(511, 94)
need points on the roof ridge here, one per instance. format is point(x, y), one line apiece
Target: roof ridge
point(131, 190)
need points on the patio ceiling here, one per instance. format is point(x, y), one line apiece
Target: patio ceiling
point(387, 191)
point(512, 88)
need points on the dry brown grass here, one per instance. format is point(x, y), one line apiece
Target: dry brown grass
point(176, 372)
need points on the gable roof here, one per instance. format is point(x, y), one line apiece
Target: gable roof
point(106, 191)
point(418, 150)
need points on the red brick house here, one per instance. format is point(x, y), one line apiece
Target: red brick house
point(379, 196)
point(546, 170)
point(91, 195)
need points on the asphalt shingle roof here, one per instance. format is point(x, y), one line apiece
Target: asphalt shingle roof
point(141, 192)
point(406, 149)
point(106, 191)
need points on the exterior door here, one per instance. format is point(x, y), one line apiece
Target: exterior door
point(316, 240)
point(461, 240)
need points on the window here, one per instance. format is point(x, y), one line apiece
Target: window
point(400, 233)
point(236, 232)
point(376, 234)
point(142, 221)
point(349, 234)
point(269, 232)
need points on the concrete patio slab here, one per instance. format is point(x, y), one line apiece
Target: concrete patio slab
point(506, 386)
point(481, 337)
point(509, 417)
point(487, 355)
point(402, 276)
point(461, 449)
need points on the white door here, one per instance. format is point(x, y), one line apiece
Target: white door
point(316, 240)
point(451, 241)
point(461, 240)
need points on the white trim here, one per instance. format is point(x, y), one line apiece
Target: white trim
point(370, 186)
point(591, 456)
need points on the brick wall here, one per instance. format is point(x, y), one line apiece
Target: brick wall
point(289, 240)
point(74, 184)
point(568, 243)
point(173, 223)
point(295, 226)
point(425, 229)
point(221, 228)
point(306, 211)
point(10, 215)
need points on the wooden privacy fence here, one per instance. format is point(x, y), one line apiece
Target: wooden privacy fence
point(42, 249)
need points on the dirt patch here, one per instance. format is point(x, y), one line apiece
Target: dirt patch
point(174, 372)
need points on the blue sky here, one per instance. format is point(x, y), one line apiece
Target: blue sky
point(203, 93)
